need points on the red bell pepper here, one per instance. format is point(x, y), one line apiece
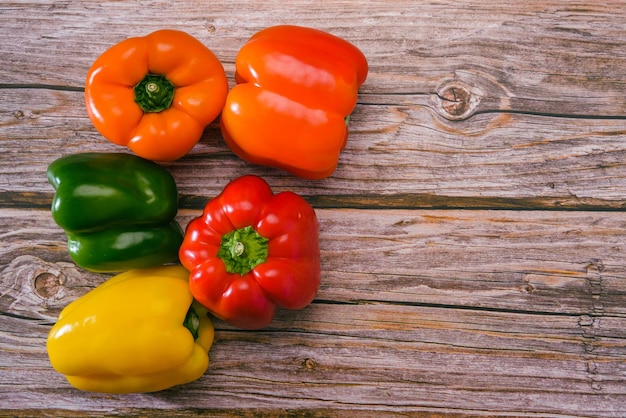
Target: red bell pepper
point(252, 251)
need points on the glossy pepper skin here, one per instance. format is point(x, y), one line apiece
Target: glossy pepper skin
point(296, 88)
point(156, 93)
point(139, 331)
point(117, 211)
point(252, 251)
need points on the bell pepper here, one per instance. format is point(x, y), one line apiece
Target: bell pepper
point(139, 331)
point(252, 251)
point(156, 94)
point(117, 211)
point(296, 88)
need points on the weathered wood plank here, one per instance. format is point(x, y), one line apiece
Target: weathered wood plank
point(365, 357)
point(568, 263)
point(401, 141)
point(485, 312)
point(398, 155)
point(472, 105)
point(536, 56)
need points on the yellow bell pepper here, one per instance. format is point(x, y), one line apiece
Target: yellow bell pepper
point(140, 331)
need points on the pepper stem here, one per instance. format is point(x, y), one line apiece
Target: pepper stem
point(242, 250)
point(154, 93)
point(192, 322)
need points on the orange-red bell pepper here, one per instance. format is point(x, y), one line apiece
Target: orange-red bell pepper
point(156, 94)
point(296, 88)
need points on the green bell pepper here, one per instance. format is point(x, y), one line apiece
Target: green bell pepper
point(117, 211)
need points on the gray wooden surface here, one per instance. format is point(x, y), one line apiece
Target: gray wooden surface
point(473, 236)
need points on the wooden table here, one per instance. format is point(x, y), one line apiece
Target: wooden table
point(473, 237)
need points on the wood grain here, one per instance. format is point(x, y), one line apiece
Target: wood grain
point(419, 160)
point(533, 56)
point(540, 262)
point(474, 306)
point(472, 237)
point(358, 358)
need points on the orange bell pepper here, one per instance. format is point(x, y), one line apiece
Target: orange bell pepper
point(296, 88)
point(156, 94)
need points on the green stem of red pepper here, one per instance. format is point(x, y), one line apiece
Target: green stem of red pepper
point(154, 93)
point(242, 250)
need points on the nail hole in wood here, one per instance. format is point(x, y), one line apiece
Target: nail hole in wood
point(310, 364)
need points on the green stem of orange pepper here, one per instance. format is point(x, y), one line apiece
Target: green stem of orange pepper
point(154, 93)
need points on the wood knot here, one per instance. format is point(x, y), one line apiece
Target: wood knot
point(47, 285)
point(456, 101)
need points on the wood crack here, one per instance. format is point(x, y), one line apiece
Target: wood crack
point(571, 202)
point(35, 86)
point(590, 322)
point(554, 115)
point(449, 306)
